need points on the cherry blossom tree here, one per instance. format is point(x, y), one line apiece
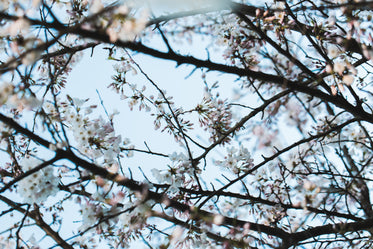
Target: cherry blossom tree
point(276, 153)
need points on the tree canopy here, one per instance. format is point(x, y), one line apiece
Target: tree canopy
point(270, 146)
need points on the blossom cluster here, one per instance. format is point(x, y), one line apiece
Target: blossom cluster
point(136, 214)
point(96, 137)
point(103, 215)
point(126, 29)
point(178, 175)
point(6, 243)
point(240, 43)
point(93, 213)
point(237, 160)
point(124, 23)
point(37, 187)
point(342, 73)
point(61, 63)
point(11, 97)
point(215, 115)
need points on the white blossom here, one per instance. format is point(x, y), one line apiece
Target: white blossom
point(37, 187)
point(339, 67)
point(237, 160)
point(348, 79)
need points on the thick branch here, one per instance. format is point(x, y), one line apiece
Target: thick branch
point(339, 228)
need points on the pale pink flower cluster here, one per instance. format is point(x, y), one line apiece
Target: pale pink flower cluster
point(137, 214)
point(20, 26)
point(37, 187)
point(6, 92)
point(137, 98)
point(293, 113)
point(125, 66)
point(203, 241)
point(177, 235)
point(215, 116)
point(128, 29)
point(237, 160)
point(178, 175)
point(96, 138)
point(124, 25)
point(90, 213)
point(334, 51)
point(20, 101)
point(267, 138)
point(4, 5)
point(95, 210)
point(26, 46)
point(240, 45)
point(342, 73)
point(6, 243)
point(63, 62)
